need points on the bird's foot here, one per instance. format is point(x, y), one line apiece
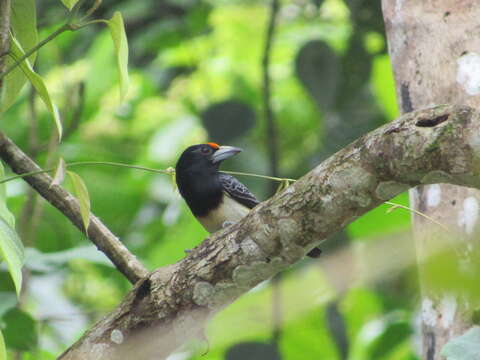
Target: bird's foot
point(227, 223)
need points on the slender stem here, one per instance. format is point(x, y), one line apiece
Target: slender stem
point(260, 176)
point(96, 21)
point(168, 171)
point(110, 163)
point(171, 171)
point(92, 9)
point(272, 133)
point(395, 206)
point(86, 163)
point(37, 47)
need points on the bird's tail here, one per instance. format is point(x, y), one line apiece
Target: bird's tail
point(314, 253)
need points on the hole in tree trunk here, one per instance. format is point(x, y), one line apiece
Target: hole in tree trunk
point(432, 122)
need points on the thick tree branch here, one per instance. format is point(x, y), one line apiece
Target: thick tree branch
point(98, 233)
point(171, 305)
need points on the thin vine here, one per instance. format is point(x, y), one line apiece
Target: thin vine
point(284, 182)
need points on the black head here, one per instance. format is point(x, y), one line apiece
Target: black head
point(204, 158)
point(197, 175)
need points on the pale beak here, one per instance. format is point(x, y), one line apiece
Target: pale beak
point(224, 152)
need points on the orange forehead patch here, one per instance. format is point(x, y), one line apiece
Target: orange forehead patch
point(214, 145)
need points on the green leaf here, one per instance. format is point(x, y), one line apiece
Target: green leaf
point(4, 212)
point(3, 350)
point(59, 173)
point(81, 192)
point(24, 27)
point(17, 52)
point(8, 300)
point(117, 30)
point(11, 249)
point(464, 347)
point(20, 330)
point(69, 3)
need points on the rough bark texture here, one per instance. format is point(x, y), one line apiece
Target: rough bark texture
point(98, 233)
point(435, 52)
point(171, 305)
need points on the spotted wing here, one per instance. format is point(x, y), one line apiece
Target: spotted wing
point(238, 191)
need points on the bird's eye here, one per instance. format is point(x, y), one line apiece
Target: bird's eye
point(205, 150)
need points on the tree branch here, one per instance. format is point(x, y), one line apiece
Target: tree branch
point(172, 304)
point(98, 233)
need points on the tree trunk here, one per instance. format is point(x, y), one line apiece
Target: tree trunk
point(435, 52)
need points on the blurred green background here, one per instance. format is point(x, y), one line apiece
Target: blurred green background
point(196, 76)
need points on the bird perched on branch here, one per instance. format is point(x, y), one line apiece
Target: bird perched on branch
point(216, 199)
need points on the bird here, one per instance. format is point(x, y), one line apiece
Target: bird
point(216, 199)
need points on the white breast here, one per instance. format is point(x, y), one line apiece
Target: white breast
point(229, 210)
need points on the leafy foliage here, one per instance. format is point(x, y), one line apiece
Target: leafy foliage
point(11, 247)
point(11, 250)
point(24, 28)
point(37, 82)
point(117, 30)
point(20, 330)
